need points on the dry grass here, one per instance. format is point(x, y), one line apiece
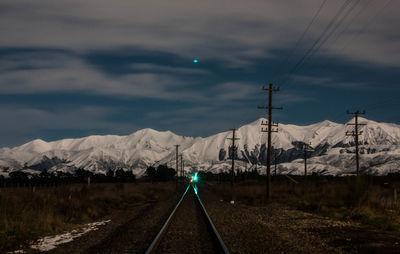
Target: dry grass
point(27, 213)
point(351, 198)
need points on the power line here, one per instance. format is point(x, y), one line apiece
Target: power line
point(368, 23)
point(351, 21)
point(374, 106)
point(330, 29)
point(338, 24)
point(287, 58)
point(316, 43)
point(326, 38)
point(356, 35)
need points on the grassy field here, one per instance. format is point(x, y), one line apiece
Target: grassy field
point(350, 198)
point(28, 213)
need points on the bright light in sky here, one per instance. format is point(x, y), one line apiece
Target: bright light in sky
point(195, 60)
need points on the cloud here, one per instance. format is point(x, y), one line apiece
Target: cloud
point(54, 72)
point(22, 124)
point(235, 91)
point(331, 82)
point(127, 51)
point(156, 68)
point(290, 98)
point(227, 30)
point(42, 72)
point(204, 120)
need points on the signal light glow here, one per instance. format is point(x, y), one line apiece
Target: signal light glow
point(195, 60)
point(195, 178)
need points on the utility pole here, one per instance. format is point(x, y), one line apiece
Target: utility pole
point(233, 150)
point(182, 166)
point(306, 148)
point(270, 90)
point(355, 134)
point(177, 163)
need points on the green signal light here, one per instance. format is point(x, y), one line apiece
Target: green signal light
point(195, 60)
point(195, 178)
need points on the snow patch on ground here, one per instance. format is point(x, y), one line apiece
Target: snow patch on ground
point(16, 251)
point(50, 242)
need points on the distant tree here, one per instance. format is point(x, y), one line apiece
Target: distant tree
point(101, 178)
point(125, 176)
point(110, 173)
point(119, 173)
point(64, 175)
point(82, 174)
point(210, 176)
point(151, 172)
point(164, 173)
point(129, 176)
point(44, 174)
point(19, 177)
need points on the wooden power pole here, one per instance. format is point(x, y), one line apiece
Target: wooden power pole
point(306, 148)
point(233, 150)
point(182, 166)
point(270, 90)
point(177, 163)
point(355, 133)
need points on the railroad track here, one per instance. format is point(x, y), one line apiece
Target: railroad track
point(188, 229)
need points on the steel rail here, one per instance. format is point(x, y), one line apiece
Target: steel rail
point(216, 235)
point(156, 240)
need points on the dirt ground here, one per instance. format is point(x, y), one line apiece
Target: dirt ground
point(276, 228)
point(273, 228)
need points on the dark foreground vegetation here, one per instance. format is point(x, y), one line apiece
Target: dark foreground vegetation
point(27, 213)
point(371, 200)
point(31, 207)
point(45, 178)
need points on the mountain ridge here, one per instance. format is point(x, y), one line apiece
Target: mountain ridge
point(147, 147)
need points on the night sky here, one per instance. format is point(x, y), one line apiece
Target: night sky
point(77, 68)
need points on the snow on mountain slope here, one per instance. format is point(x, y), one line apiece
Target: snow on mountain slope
point(138, 149)
point(379, 133)
point(251, 137)
point(379, 149)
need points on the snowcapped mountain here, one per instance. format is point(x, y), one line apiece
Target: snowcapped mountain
point(333, 150)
